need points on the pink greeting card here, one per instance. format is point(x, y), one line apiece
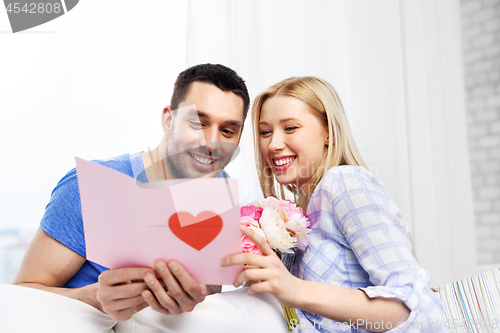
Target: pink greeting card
point(192, 221)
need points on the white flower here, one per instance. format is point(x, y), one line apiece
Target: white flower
point(277, 235)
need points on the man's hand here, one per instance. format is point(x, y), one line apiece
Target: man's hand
point(181, 292)
point(120, 291)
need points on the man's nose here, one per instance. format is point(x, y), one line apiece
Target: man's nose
point(211, 139)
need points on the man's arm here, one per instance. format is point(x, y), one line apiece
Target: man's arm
point(48, 265)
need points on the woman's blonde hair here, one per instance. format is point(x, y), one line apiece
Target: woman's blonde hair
point(325, 104)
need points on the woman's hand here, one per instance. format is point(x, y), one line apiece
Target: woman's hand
point(266, 271)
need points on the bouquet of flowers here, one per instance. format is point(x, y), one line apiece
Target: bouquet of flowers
point(285, 227)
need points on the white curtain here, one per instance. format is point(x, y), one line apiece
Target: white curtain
point(398, 69)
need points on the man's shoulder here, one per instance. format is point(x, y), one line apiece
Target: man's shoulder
point(122, 163)
point(222, 174)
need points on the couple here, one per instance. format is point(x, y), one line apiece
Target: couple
point(358, 269)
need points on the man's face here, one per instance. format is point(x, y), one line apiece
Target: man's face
point(203, 132)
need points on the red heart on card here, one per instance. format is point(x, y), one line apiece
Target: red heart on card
point(198, 231)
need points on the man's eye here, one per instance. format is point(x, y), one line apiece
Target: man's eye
point(195, 124)
point(228, 132)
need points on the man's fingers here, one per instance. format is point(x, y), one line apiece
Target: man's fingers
point(261, 243)
point(124, 291)
point(121, 305)
point(195, 290)
point(155, 305)
point(124, 275)
point(159, 297)
point(175, 290)
point(127, 313)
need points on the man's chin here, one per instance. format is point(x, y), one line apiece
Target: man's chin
point(195, 173)
point(210, 174)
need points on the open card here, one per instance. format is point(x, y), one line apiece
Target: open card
point(192, 221)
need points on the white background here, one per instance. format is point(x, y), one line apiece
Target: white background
point(93, 82)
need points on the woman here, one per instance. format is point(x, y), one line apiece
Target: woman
point(359, 270)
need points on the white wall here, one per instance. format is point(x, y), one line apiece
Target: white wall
point(481, 46)
point(92, 84)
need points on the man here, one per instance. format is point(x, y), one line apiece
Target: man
point(202, 127)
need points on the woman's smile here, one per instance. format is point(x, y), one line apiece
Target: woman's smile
point(292, 139)
point(282, 163)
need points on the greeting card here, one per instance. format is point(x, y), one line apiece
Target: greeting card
point(129, 224)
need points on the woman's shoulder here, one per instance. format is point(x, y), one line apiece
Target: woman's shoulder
point(344, 189)
point(349, 171)
point(349, 175)
point(346, 178)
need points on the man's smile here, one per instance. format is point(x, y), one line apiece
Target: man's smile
point(203, 159)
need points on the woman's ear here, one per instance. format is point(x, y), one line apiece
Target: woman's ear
point(166, 119)
point(327, 141)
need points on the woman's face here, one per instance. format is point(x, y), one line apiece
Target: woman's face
point(292, 140)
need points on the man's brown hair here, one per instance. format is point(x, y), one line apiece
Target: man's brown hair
point(220, 76)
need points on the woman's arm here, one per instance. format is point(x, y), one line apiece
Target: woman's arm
point(340, 304)
point(351, 306)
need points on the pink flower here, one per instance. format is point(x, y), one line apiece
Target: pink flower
point(292, 209)
point(248, 246)
point(247, 221)
point(254, 225)
point(282, 223)
point(252, 211)
point(303, 242)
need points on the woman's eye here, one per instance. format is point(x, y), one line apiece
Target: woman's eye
point(265, 133)
point(290, 128)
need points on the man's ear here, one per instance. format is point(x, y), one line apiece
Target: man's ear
point(166, 119)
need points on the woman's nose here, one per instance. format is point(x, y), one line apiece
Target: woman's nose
point(277, 142)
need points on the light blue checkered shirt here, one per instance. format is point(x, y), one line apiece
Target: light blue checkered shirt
point(360, 240)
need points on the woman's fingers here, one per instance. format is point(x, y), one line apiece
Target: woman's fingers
point(261, 287)
point(255, 260)
point(253, 275)
point(261, 243)
point(252, 259)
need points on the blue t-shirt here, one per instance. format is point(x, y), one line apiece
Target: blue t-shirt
point(63, 215)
